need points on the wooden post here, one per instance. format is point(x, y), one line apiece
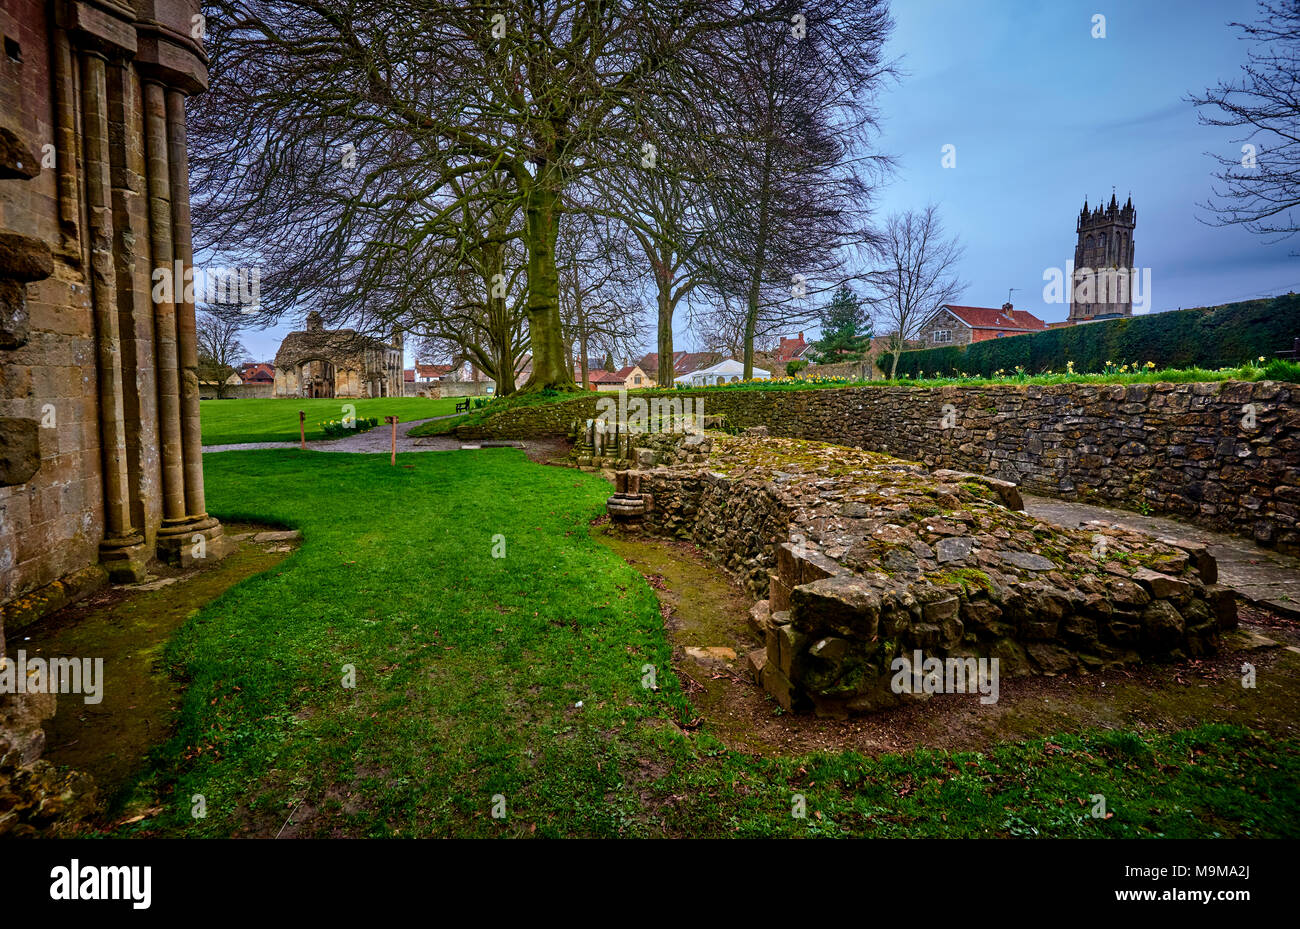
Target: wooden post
point(392, 420)
point(302, 429)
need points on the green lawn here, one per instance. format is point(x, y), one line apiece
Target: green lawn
point(520, 677)
point(229, 422)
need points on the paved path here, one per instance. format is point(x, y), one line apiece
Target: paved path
point(379, 439)
point(1258, 574)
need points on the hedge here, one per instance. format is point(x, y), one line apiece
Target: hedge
point(1207, 337)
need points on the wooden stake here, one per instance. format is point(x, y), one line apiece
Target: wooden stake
point(302, 429)
point(393, 420)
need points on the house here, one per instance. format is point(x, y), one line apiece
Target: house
point(790, 350)
point(433, 374)
point(602, 379)
point(633, 377)
point(260, 372)
point(726, 371)
point(961, 325)
point(683, 363)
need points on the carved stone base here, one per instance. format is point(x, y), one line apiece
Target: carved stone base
point(192, 543)
point(125, 559)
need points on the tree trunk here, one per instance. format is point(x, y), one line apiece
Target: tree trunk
point(760, 259)
point(751, 322)
point(540, 228)
point(664, 376)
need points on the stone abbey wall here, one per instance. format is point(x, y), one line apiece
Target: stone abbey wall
point(99, 395)
point(1225, 454)
point(101, 466)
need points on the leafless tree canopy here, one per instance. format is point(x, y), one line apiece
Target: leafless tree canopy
point(916, 277)
point(1260, 186)
point(219, 348)
point(391, 162)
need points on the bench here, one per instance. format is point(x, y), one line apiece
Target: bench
point(463, 406)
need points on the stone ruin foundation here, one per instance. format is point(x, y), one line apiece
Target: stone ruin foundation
point(859, 559)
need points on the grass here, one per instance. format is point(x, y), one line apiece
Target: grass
point(230, 422)
point(515, 681)
point(497, 405)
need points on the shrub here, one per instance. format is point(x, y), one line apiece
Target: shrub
point(794, 367)
point(1209, 337)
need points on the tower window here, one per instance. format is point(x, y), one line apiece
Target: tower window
point(1088, 243)
point(1101, 240)
point(13, 49)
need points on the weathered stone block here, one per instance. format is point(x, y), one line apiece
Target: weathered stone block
point(790, 645)
point(1162, 626)
point(20, 450)
point(778, 594)
point(1162, 586)
point(842, 603)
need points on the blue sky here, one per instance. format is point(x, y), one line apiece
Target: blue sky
point(1042, 114)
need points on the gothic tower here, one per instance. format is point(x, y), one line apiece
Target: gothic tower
point(1103, 260)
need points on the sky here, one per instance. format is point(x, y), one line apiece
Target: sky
point(1042, 115)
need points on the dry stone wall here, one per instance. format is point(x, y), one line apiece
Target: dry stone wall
point(863, 560)
point(1225, 455)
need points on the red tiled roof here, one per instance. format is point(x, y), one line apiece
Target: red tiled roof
point(789, 349)
point(408, 375)
point(982, 317)
point(604, 377)
point(257, 373)
point(433, 370)
point(625, 373)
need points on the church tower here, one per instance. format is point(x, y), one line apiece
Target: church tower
point(1104, 249)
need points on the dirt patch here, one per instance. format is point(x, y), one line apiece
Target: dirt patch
point(129, 627)
point(704, 610)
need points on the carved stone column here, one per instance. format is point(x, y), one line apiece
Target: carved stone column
point(123, 551)
point(165, 344)
point(203, 536)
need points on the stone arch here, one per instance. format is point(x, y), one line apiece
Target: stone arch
point(314, 377)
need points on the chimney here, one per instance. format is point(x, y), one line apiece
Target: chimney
point(801, 337)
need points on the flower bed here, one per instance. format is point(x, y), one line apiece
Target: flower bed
point(338, 428)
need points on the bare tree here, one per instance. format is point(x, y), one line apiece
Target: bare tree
point(917, 277)
point(793, 198)
point(664, 209)
point(334, 133)
point(595, 291)
point(1261, 187)
point(219, 348)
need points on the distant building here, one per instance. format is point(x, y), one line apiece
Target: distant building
point(259, 372)
point(961, 325)
point(1104, 247)
point(433, 374)
point(320, 362)
point(603, 380)
point(633, 377)
point(790, 350)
